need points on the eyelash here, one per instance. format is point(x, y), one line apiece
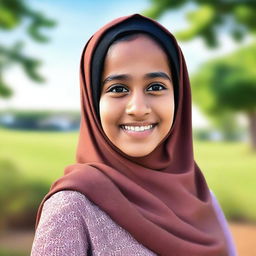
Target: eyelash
point(121, 86)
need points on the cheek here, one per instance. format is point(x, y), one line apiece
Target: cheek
point(110, 113)
point(166, 113)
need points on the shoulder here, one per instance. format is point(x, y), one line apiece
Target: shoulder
point(218, 211)
point(66, 200)
point(224, 224)
point(61, 229)
point(217, 206)
point(71, 205)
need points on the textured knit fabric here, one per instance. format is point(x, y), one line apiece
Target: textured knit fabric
point(72, 225)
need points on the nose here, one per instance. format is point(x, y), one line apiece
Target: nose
point(138, 105)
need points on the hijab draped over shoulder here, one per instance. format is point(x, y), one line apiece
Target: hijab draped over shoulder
point(161, 199)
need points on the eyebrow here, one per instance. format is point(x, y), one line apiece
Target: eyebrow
point(127, 77)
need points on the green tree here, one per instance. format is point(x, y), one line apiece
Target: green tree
point(209, 16)
point(12, 15)
point(228, 85)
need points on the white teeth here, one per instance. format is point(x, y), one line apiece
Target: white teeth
point(137, 128)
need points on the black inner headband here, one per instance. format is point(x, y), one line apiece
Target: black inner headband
point(134, 24)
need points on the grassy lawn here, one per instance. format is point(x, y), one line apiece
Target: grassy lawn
point(228, 167)
point(38, 155)
point(8, 252)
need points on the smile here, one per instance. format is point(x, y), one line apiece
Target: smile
point(138, 131)
point(137, 128)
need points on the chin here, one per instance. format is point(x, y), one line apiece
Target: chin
point(137, 153)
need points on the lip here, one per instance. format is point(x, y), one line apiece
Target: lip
point(139, 134)
point(139, 124)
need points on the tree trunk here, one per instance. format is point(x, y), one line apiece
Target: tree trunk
point(252, 128)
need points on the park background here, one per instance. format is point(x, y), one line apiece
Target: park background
point(40, 48)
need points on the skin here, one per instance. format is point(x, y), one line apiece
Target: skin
point(136, 98)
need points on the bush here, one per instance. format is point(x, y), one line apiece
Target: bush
point(202, 134)
point(19, 197)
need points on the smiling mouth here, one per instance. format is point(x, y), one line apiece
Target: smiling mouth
point(138, 128)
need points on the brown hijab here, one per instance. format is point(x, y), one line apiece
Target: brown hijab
point(161, 199)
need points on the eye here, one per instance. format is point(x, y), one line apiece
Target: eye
point(117, 89)
point(156, 87)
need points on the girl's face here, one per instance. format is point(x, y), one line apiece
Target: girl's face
point(137, 98)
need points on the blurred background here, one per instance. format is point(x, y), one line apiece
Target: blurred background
point(40, 47)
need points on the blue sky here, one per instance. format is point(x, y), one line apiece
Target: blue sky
point(77, 21)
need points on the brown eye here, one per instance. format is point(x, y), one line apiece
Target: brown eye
point(118, 89)
point(156, 87)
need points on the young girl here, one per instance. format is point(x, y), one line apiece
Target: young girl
point(136, 188)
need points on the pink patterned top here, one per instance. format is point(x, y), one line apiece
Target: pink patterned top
point(72, 225)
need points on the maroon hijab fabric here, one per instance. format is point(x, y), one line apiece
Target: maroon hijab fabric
point(161, 199)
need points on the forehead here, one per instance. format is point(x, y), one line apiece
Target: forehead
point(140, 52)
point(135, 40)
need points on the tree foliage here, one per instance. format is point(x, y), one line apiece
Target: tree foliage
point(12, 14)
point(238, 17)
point(227, 85)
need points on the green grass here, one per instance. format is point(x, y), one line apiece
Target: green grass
point(229, 168)
point(38, 155)
point(7, 252)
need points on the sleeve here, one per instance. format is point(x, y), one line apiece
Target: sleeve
point(61, 230)
point(224, 224)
